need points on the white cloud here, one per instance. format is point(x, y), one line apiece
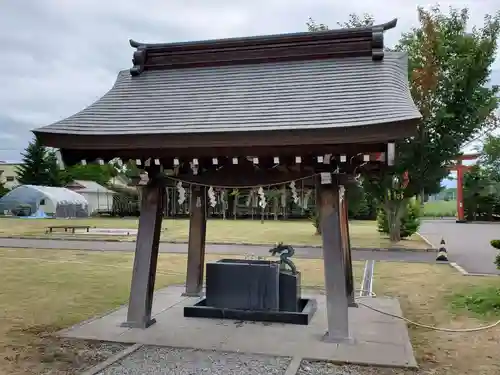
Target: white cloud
point(8, 137)
point(58, 56)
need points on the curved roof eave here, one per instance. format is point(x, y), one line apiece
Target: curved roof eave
point(320, 94)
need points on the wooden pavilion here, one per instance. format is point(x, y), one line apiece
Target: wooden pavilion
point(254, 111)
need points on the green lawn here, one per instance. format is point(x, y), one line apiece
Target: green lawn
point(46, 290)
point(440, 209)
point(363, 233)
point(437, 295)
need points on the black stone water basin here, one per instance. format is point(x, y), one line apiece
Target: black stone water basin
point(243, 284)
point(306, 310)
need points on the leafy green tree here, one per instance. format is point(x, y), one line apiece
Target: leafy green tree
point(354, 194)
point(39, 167)
point(131, 169)
point(3, 190)
point(490, 157)
point(409, 221)
point(448, 71)
point(496, 245)
point(354, 20)
point(481, 194)
point(92, 172)
point(360, 204)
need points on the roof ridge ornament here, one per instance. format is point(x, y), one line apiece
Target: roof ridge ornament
point(378, 38)
point(337, 43)
point(139, 59)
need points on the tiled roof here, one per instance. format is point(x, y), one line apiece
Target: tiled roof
point(287, 95)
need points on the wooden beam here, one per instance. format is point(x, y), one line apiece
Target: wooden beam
point(233, 178)
point(346, 248)
point(334, 263)
point(342, 140)
point(196, 245)
point(146, 257)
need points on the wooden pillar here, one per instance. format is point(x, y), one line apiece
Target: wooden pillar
point(196, 245)
point(334, 263)
point(146, 257)
point(346, 248)
point(317, 201)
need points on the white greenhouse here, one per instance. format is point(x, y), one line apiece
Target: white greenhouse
point(44, 201)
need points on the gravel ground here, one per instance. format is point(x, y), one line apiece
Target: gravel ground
point(324, 368)
point(161, 360)
point(69, 356)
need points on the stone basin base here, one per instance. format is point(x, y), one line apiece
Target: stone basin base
point(306, 310)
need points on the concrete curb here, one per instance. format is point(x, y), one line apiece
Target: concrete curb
point(396, 249)
point(427, 241)
point(115, 358)
point(294, 366)
point(465, 273)
point(458, 268)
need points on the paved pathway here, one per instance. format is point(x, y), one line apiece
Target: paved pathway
point(300, 252)
point(468, 244)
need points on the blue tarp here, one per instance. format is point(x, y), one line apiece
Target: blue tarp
point(39, 215)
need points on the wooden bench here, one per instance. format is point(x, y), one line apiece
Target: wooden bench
point(67, 227)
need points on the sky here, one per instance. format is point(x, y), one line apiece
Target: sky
point(59, 56)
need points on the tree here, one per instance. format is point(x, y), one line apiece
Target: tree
point(480, 194)
point(410, 221)
point(496, 245)
point(354, 21)
point(490, 156)
point(131, 170)
point(101, 174)
point(3, 190)
point(448, 71)
point(482, 183)
point(39, 167)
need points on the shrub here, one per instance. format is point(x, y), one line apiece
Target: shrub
point(3, 190)
point(496, 245)
point(410, 220)
point(315, 221)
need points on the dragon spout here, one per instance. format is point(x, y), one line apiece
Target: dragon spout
point(285, 253)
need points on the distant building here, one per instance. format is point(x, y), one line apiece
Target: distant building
point(99, 198)
point(8, 175)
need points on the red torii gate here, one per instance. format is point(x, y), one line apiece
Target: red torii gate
point(460, 169)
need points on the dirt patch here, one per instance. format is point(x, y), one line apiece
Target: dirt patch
point(325, 368)
point(38, 351)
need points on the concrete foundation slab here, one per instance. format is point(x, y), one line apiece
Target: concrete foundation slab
point(377, 339)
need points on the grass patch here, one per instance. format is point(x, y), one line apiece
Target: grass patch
point(440, 209)
point(425, 292)
point(481, 300)
point(44, 291)
point(363, 234)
